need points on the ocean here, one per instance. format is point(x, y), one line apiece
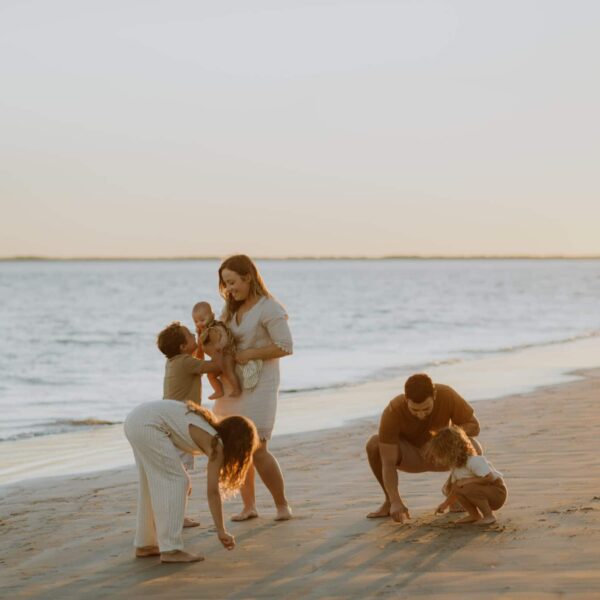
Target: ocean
point(79, 336)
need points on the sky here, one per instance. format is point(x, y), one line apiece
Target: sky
point(133, 128)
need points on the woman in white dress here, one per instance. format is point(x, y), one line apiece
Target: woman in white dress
point(156, 430)
point(259, 325)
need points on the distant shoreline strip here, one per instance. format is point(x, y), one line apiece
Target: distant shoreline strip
point(298, 258)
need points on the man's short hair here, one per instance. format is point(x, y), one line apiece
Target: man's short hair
point(170, 339)
point(418, 388)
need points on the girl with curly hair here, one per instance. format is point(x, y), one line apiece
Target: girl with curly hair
point(473, 481)
point(156, 431)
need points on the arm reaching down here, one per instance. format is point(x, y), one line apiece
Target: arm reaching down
point(213, 496)
point(389, 458)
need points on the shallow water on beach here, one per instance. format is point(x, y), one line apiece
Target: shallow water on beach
point(79, 336)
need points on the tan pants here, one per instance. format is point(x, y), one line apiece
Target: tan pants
point(478, 495)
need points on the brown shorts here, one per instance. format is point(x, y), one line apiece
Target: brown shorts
point(413, 459)
point(495, 493)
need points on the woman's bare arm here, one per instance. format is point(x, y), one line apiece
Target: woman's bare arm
point(267, 353)
point(213, 495)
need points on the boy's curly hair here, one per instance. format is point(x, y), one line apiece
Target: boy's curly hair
point(170, 339)
point(450, 447)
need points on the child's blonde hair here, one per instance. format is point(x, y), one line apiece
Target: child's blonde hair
point(450, 447)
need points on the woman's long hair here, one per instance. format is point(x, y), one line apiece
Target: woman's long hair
point(242, 265)
point(240, 441)
point(450, 447)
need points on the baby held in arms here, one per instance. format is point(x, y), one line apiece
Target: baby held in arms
point(217, 340)
point(473, 481)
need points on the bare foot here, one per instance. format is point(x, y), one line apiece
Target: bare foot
point(217, 395)
point(179, 556)
point(456, 507)
point(381, 512)
point(235, 393)
point(284, 513)
point(487, 520)
point(189, 522)
point(467, 519)
point(146, 551)
point(245, 515)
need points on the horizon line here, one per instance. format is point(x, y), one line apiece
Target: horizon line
point(307, 257)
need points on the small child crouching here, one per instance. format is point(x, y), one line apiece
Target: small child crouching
point(473, 481)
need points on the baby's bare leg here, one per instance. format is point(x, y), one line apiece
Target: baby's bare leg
point(217, 386)
point(230, 374)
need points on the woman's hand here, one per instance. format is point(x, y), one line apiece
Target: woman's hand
point(243, 356)
point(227, 540)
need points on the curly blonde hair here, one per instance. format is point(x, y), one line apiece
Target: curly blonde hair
point(450, 447)
point(240, 441)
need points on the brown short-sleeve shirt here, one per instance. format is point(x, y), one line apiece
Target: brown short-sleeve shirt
point(182, 378)
point(398, 423)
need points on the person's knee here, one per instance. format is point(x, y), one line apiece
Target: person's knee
point(261, 453)
point(372, 446)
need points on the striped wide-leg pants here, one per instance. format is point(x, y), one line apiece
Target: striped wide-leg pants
point(163, 487)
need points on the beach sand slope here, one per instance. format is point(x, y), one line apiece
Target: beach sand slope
point(72, 537)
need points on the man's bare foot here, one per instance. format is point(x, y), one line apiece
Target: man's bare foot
point(216, 395)
point(284, 513)
point(381, 512)
point(146, 551)
point(245, 515)
point(189, 522)
point(487, 520)
point(179, 556)
point(467, 519)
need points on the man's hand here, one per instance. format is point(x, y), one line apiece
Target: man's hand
point(399, 512)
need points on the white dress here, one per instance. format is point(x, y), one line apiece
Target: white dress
point(264, 324)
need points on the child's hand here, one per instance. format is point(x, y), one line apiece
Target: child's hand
point(227, 540)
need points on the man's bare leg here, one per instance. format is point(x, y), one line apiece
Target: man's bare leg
point(375, 463)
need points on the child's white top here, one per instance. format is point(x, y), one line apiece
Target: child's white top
point(477, 466)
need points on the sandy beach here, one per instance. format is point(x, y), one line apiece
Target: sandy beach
point(71, 537)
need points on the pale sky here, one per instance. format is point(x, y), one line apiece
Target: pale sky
point(289, 127)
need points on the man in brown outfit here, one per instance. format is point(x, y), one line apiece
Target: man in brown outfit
point(405, 428)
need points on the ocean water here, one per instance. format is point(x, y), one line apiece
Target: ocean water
point(79, 337)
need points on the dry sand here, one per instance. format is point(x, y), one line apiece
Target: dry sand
point(71, 537)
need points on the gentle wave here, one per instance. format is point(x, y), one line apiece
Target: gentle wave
point(58, 427)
